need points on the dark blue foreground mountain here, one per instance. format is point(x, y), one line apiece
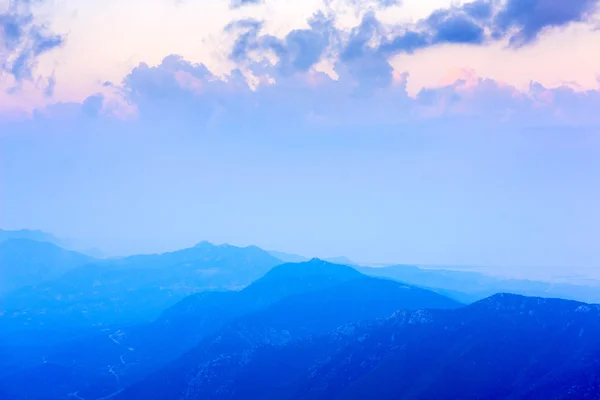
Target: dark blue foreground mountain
point(293, 317)
point(503, 347)
point(291, 301)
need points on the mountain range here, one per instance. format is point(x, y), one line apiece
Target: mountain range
point(290, 301)
point(227, 322)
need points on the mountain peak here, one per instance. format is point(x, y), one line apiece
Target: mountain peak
point(312, 267)
point(204, 243)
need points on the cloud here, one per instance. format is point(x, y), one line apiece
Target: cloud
point(361, 81)
point(241, 3)
point(361, 61)
point(50, 85)
point(23, 40)
point(93, 105)
point(181, 95)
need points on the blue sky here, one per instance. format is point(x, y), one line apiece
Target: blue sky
point(451, 133)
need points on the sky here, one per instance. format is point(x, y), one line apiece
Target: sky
point(428, 132)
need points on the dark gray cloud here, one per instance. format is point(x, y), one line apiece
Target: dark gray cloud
point(457, 28)
point(247, 40)
point(365, 64)
point(481, 21)
point(456, 25)
point(523, 20)
point(23, 40)
point(298, 51)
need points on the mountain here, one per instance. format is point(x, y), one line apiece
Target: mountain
point(26, 262)
point(294, 317)
point(502, 347)
point(182, 326)
point(129, 290)
point(297, 298)
point(467, 286)
point(134, 351)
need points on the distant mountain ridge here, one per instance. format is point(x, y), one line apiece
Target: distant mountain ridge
point(288, 257)
point(41, 236)
point(133, 289)
point(25, 262)
point(30, 234)
point(467, 286)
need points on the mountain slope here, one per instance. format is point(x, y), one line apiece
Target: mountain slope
point(341, 260)
point(182, 326)
point(291, 318)
point(26, 262)
point(503, 347)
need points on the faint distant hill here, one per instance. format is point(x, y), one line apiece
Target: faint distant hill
point(25, 262)
point(287, 257)
point(30, 235)
point(40, 236)
point(468, 286)
point(341, 260)
point(295, 258)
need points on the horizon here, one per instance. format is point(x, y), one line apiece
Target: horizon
point(445, 133)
